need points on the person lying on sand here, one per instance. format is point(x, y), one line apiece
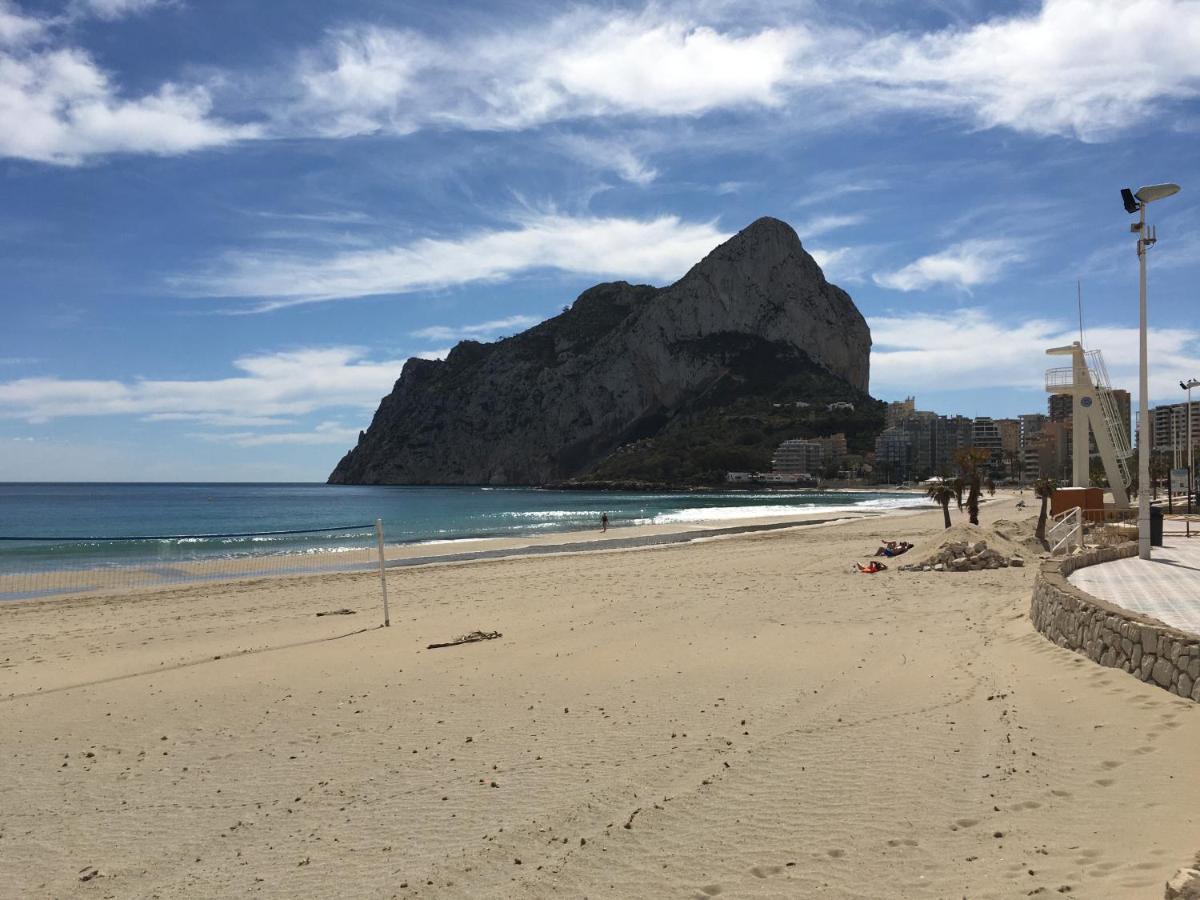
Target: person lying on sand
point(893, 548)
point(871, 568)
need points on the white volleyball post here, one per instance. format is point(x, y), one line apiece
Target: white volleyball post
point(387, 621)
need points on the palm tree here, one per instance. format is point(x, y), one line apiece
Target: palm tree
point(1016, 464)
point(941, 493)
point(1043, 488)
point(959, 487)
point(971, 463)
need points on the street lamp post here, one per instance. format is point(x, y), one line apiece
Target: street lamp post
point(1190, 443)
point(1136, 203)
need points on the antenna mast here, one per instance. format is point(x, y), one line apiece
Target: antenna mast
point(1079, 302)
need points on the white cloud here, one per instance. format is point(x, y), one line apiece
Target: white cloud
point(372, 79)
point(841, 264)
point(440, 353)
point(662, 249)
point(819, 225)
point(476, 331)
point(1086, 68)
point(15, 28)
point(117, 9)
point(1082, 67)
point(971, 350)
point(270, 390)
point(964, 266)
point(68, 108)
point(610, 156)
point(324, 433)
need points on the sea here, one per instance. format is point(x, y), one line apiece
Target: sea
point(127, 524)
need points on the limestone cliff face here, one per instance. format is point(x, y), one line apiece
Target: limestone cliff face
point(550, 402)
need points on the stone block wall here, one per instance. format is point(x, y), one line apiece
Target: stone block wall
point(1144, 647)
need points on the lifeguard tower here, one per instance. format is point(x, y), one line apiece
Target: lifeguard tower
point(1094, 409)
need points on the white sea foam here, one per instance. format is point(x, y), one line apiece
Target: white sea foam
point(554, 514)
point(728, 513)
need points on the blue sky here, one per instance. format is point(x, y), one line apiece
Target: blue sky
point(224, 225)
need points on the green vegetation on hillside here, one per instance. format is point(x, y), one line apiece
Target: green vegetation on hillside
point(769, 393)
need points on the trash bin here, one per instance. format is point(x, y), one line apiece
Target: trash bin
point(1156, 526)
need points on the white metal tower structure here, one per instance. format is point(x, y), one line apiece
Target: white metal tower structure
point(1094, 409)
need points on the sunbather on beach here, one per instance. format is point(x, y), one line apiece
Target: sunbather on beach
point(893, 548)
point(871, 568)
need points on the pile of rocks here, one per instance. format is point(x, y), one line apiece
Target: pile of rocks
point(964, 556)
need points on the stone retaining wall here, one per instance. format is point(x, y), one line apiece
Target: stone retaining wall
point(1144, 647)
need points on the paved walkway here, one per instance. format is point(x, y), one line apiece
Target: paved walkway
point(1166, 587)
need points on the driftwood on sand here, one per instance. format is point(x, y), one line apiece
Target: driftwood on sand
point(468, 639)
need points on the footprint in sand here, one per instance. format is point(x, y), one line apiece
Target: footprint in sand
point(836, 854)
point(1028, 804)
point(1061, 793)
point(1110, 764)
point(1105, 782)
point(709, 890)
point(765, 871)
point(966, 823)
point(1142, 751)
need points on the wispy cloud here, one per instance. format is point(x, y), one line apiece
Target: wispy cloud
point(270, 389)
point(662, 248)
point(972, 349)
point(819, 225)
point(610, 155)
point(370, 79)
point(844, 264)
point(324, 433)
point(16, 28)
point(478, 330)
point(1086, 68)
point(964, 265)
point(117, 9)
point(69, 109)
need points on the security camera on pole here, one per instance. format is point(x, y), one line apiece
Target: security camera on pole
point(1135, 202)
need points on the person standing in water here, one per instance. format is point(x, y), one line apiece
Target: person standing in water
point(604, 522)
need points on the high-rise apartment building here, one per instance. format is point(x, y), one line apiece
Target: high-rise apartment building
point(797, 457)
point(1060, 407)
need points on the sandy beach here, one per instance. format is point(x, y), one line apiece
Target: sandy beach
point(744, 716)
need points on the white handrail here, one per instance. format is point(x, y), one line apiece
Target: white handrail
point(1070, 525)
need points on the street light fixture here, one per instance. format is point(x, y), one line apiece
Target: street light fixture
point(1135, 202)
point(1187, 386)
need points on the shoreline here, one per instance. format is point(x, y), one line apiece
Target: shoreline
point(108, 580)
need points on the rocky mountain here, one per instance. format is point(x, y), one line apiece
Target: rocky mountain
point(752, 328)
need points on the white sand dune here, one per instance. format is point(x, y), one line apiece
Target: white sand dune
point(742, 717)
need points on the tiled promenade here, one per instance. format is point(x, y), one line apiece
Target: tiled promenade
point(1166, 587)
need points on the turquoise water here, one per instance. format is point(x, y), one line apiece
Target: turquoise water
point(73, 516)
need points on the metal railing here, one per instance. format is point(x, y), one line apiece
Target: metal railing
point(1112, 414)
point(1106, 527)
point(1063, 377)
point(1067, 527)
